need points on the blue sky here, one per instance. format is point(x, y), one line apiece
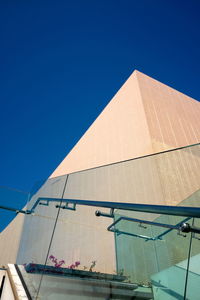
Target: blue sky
point(62, 62)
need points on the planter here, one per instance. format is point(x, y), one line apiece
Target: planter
point(50, 270)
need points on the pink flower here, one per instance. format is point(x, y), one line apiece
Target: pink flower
point(72, 266)
point(77, 263)
point(58, 265)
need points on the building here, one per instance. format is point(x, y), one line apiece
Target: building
point(143, 148)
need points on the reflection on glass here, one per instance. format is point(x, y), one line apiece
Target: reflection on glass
point(70, 252)
point(153, 262)
point(192, 266)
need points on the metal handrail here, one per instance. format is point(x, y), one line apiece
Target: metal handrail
point(15, 210)
point(186, 211)
point(192, 212)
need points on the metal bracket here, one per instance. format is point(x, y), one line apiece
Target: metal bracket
point(169, 230)
point(44, 203)
point(186, 227)
point(98, 213)
point(181, 234)
point(142, 226)
point(66, 206)
point(181, 227)
point(26, 212)
point(119, 232)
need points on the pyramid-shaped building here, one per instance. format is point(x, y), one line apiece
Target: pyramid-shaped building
point(144, 117)
point(143, 148)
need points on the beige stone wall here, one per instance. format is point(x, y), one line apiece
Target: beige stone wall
point(144, 117)
point(9, 241)
point(167, 179)
point(173, 118)
point(119, 133)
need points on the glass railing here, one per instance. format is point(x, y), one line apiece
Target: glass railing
point(67, 250)
point(151, 255)
point(11, 200)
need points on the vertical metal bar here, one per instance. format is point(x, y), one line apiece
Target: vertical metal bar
point(52, 236)
point(2, 285)
point(188, 263)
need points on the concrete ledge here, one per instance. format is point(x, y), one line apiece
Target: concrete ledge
point(16, 284)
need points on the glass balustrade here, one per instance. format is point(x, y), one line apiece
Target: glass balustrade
point(65, 249)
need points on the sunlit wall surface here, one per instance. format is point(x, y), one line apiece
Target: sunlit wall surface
point(144, 118)
point(77, 239)
point(10, 242)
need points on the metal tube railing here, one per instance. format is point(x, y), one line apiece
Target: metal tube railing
point(15, 210)
point(186, 211)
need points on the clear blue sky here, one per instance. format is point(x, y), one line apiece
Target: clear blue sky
point(62, 61)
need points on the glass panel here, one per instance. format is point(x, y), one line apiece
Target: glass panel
point(165, 179)
point(191, 267)
point(37, 233)
point(73, 253)
point(11, 198)
point(150, 255)
point(9, 242)
point(193, 271)
point(82, 261)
